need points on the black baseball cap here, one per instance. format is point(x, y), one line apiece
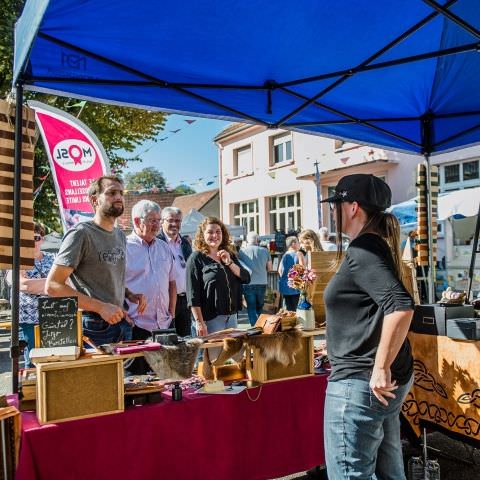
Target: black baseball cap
point(365, 189)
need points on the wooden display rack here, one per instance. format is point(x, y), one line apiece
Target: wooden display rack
point(262, 371)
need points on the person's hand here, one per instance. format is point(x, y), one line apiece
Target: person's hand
point(224, 256)
point(140, 299)
point(382, 385)
point(111, 313)
point(201, 327)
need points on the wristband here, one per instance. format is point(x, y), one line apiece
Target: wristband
point(228, 264)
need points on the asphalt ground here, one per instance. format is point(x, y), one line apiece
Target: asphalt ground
point(458, 460)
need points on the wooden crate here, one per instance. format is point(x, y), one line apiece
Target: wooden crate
point(79, 389)
point(225, 372)
point(262, 371)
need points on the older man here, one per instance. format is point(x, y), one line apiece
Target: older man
point(181, 250)
point(150, 267)
point(92, 256)
point(257, 260)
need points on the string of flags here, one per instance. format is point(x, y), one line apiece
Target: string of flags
point(167, 134)
point(202, 181)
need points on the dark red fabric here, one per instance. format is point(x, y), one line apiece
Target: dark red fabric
point(208, 437)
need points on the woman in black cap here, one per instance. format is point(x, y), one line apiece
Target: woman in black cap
point(368, 315)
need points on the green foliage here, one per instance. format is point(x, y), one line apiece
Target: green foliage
point(184, 190)
point(119, 129)
point(147, 178)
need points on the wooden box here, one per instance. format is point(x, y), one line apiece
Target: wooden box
point(226, 373)
point(262, 371)
point(79, 389)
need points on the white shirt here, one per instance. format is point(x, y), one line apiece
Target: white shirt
point(149, 271)
point(180, 263)
point(328, 246)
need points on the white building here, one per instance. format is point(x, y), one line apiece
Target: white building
point(267, 177)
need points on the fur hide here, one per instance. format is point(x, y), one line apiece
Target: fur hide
point(282, 347)
point(174, 362)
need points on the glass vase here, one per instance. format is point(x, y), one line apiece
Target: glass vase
point(305, 313)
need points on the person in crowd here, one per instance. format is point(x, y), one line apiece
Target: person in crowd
point(325, 242)
point(92, 255)
point(257, 260)
point(150, 268)
point(181, 249)
point(309, 242)
point(214, 279)
point(368, 315)
point(291, 257)
point(32, 285)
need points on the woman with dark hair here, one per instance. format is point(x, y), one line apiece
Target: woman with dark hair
point(368, 315)
point(32, 285)
point(291, 257)
point(214, 279)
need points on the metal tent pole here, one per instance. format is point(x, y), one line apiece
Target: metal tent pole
point(17, 182)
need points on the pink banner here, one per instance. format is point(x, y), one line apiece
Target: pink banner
point(76, 158)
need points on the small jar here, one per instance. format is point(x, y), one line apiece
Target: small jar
point(176, 392)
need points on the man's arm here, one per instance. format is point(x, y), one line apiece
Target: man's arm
point(56, 286)
point(32, 286)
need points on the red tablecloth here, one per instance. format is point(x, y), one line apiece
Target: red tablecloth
point(202, 436)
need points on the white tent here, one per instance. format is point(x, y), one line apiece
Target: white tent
point(193, 219)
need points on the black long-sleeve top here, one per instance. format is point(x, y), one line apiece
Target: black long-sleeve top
point(357, 298)
point(213, 287)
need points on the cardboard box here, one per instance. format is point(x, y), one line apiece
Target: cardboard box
point(432, 319)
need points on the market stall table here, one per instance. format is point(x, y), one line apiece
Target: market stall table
point(446, 392)
point(257, 434)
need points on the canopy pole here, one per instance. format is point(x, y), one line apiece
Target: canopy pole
point(427, 136)
point(17, 183)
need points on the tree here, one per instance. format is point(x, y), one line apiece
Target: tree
point(120, 129)
point(184, 189)
point(147, 178)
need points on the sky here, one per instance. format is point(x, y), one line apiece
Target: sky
point(187, 152)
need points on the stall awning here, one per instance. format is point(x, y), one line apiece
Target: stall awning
point(401, 75)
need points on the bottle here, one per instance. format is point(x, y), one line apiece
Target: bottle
point(415, 468)
point(176, 392)
point(432, 470)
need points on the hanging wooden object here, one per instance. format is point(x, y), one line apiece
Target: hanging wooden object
point(422, 213)
point(7, 151)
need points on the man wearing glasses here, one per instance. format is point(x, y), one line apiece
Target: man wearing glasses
point(181, 250)
point(150, 267)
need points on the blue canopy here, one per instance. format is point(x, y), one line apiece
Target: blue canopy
point(399, 74)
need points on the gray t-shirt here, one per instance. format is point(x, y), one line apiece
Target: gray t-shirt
point(98, 261)
point(255, 260)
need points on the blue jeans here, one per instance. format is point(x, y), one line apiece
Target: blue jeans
point(255, 298)
point(26, 333)
point(362, 436)
point(101, 332)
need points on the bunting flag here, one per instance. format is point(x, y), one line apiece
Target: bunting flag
point(189, 121)
point(76, 157)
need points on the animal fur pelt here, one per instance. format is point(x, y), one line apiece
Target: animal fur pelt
point(231, 346)
point(282, 347)
point(174, 362)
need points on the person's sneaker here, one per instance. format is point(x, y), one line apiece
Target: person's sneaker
point(318, 473)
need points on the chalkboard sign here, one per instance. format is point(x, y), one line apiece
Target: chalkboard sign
point(58, 321)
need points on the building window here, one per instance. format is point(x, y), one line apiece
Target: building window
point(242, 161)
point(281, 149)
point(246, 214)
point(285, 212)
point(459, 175)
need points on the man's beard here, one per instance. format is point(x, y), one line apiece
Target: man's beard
point(113, 211)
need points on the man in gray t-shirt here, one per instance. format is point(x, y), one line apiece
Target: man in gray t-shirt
point(92, 256)
point(257, 260)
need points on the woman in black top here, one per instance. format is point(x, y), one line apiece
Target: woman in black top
point(368, 315)
point(214, 279)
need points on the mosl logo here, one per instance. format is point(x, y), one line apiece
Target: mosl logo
point(74, 155)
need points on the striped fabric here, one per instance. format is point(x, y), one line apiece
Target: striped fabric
point(7, 141)
point(422, 214)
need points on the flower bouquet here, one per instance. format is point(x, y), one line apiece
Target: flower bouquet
point(301, 278)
